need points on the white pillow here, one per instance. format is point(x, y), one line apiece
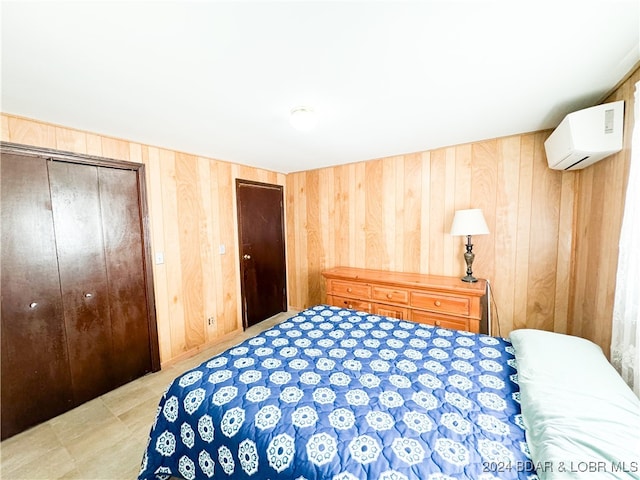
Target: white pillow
point(582, 420)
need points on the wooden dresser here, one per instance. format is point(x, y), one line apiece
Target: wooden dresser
point(435, 300)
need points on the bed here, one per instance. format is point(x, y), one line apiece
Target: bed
point(340, 394)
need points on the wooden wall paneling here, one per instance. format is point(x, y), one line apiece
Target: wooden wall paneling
point(300, 239)
point(544, 240)
point(411, 211)
point(314, 239)
point(327, 228)
point(359, 215)
point(94, 145)
point(462, 201)
point(292, 250)
point(523, 236)
point(425, 213)
point(151, 157)
point(189, 214)
point(436, 212)
point(173, 267)
point(230, 284)
point(114, 148)
point(342, 222)
point(30, 132)
point(506, 229)
point(581, 267)
point(135, 154)
point(215, 304)
point(391, 203)
point(71, 140)
point(398, 214)
point(4, 127)
point(450, 244)
point(565, 249)
point(601, 236)
point(607, 264)
point(208, 247)
point(483, 195)
point(375, 253)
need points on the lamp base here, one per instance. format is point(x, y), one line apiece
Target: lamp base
point(468, 259)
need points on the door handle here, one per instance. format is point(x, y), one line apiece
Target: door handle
point(246, 256)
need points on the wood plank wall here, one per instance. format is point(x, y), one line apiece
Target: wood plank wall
point(395, 214)
point(599, 205)
point(192, 212)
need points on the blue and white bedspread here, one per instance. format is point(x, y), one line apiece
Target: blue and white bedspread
point(342, 395)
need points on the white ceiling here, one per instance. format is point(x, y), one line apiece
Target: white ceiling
point(219, 78)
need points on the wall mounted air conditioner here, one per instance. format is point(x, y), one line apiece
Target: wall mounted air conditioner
point(585, 137)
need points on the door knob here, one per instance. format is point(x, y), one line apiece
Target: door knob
point(33, 305)
point(246, 256)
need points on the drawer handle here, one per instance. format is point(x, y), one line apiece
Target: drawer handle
point(349, 306)
point(437, 303)
point(389, 295)
point(437, 323)
point(349, 290)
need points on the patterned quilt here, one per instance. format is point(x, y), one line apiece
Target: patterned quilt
point(342, 395)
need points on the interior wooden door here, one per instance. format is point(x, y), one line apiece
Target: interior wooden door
point(75, 199)
point(262, 250)
point(99, 237)
point(36, 381)
point(125, 262)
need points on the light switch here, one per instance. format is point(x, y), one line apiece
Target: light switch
point(159, 258)
point(222, 249)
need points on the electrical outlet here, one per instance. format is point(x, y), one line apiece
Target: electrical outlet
point(211, 320)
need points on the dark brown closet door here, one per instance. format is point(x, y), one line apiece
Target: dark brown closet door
point(36, 382)
point(125, 263)
point(75, 198)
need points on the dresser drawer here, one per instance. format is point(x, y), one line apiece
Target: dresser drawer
point(443, 321)
point(347, 289)
point(349, 303)
point(390, 311)
point(388, 294)
point(441, 303)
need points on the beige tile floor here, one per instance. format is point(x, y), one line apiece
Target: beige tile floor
point(103, 439)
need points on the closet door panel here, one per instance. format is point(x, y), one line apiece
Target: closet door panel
point(36, 382)
point(125, 262)
point(83, 280)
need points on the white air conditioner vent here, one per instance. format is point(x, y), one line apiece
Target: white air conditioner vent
point(586, 136)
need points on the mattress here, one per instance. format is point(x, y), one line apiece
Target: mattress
point(339, 394)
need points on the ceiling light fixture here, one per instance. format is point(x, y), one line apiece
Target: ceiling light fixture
point(303, 119)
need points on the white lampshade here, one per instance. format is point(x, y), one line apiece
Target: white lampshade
point(303, 119)
point(469, 222)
